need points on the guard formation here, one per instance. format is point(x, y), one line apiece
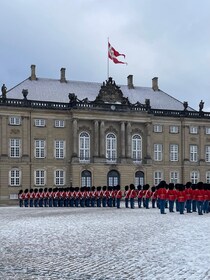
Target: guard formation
point(180, 198)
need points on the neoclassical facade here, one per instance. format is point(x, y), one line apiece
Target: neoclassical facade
point(59, 133)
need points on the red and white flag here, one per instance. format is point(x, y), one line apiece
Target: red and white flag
point(113, 54)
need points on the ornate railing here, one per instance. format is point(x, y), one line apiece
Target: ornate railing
point(93, 105)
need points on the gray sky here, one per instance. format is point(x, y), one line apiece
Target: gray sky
point(164, 38)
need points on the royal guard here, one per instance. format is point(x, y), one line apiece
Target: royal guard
point(143, 195)
point(132, 196)
point(41, 197)
point(104, 196)
point(139, 195)
point(118, 196)
point(177, 202)
point(147, 195)
point(206, 198)
point(189, 194)
point(76, 196)
point(161, 194)
point(110, 199)
point(194, 202)
point(50, 197)
point(99, 197)
point(36, 198)
point(181, 197)
point(87, 196)
point(153, 196)
point(171, 196)
point(114, 192)
point(55, 197)
point(200, 197)
point(46, 197)
point(31, 199)
point(20, 198)
point(126, 196)
point(82, 196)
point(26, 197)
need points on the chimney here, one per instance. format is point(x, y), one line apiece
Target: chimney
point(63, 78)
point(33, 73)
point(155, 83)
point(130, 82)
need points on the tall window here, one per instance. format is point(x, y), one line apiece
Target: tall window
point(158, 177)
point(207, 153)
point(86, 178)
point(158, 152)
point(193, 153)
point(113, 178)
point(174, 129)
point(84, 146)
point(139, 178)
point(194, 175)
point(174, 152)
point(174, 177)
point(137, 148)
point(208, 177)
point(59, 177)
point(59, 149)
point(15, 148)
point(14, 177)
point(111, 147)
point(40, 148)
point(40, 177)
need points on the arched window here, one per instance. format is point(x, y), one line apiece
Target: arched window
point(113, 178)
point(137, 148)
point(86, 178)
point(111, 147)
point(84, 146)
point(139, 178)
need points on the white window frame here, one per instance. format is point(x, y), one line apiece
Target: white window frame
point(158, 177)
point(137, 148)
point(207, 153)
point(40, 122)
point(174, 177)
point(59, 123)
point(207, 130)
point(15, 148)
point(84, 147)
point(111, 147)
point(59, 177)
point(86, 178)
point(39, 177)
point(40, 148)
point(13, 196)
point(208, 177)
point(193, 153)
point(194, 176)
point(174, 129)
point(15, 120)
point(59, 149)
point(193, 129)
point(158, 152)
point(15, 177)
point(174, 152)
point(158, 128)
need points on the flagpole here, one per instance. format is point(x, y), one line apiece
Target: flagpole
point(107, 58)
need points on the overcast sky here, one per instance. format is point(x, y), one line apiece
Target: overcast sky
point(164, 38)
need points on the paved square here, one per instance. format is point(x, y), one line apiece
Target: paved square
point(103, 243)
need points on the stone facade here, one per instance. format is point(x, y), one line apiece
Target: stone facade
point(98, 143)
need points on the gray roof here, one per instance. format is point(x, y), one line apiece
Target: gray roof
point(53, 90)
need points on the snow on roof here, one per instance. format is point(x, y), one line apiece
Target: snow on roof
point(53, 90)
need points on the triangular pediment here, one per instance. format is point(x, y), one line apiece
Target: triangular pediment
point(111, 93)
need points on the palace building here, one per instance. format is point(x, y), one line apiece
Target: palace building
point(60, 133)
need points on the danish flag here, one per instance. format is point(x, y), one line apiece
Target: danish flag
point(113, 54)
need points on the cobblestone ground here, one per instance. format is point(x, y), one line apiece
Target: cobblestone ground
point(98, 243)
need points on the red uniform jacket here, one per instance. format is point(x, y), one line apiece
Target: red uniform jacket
point(162, 193)
point(181, 196)
point(172, 194)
